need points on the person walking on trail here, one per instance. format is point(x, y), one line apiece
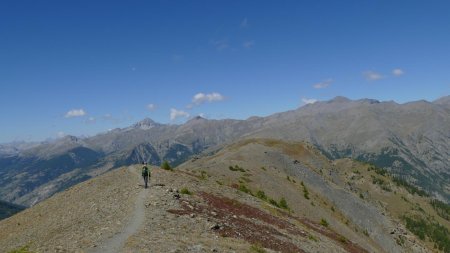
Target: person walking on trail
point(145, 174)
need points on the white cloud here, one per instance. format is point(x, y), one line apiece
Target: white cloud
point(309, 100)
point(398, 72)
point(323, 84)
point(201, 98)
point(372, 76)
point(75, 113)
point(244, 23)
point(151, 107)
point(220, 44)
point(60, 134)
point(174, 114)
point(248, 44)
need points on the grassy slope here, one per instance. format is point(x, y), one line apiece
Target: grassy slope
point(254, 174)
point(395, 200)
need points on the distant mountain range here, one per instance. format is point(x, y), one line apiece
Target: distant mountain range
point(410, 140)
point(8, 209)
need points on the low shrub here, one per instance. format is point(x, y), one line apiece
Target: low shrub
point(185, 191)
point(236, 168)
point(324, 222)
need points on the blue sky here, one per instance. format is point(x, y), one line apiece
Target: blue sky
point(83, 67)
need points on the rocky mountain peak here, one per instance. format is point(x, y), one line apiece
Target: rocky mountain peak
point(145, 124)
point(339, 99)
point(368, 101)
point(70, 138)
point(196, 119)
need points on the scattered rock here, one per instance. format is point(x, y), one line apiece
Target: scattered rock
point(215, 227)
point(192, 215)
point(196, 248)
point(213, 213)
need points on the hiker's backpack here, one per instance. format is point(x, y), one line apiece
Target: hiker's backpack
point(145, 171)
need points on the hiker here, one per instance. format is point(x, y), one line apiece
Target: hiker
point(145, 173)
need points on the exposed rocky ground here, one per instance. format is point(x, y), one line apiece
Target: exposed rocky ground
point(174, 222)
point(257, 195)
point(75, 219)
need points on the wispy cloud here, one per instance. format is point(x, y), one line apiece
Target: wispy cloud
point(398, 72)
point(91, 120)
point(75, 113)
point(220, 44)
point(372, 75)
point(151, 107)
point(308, 100)
point(174, 114)
point(244, 23)
point(109, 118)
point(248, 44)
point(201, 98)
point(323, 84)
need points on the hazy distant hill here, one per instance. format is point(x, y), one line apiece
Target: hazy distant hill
point(8, 209)
point(411, 141)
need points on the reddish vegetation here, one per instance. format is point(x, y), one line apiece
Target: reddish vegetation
point(236, 208)
point(348, 245)
point(242, 221)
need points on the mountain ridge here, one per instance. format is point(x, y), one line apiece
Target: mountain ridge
point(410, 140)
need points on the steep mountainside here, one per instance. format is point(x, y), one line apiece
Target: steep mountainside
point(355, 198)
point(256, 195)
point(410, 140)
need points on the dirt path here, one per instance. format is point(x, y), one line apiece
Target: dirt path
point(117, 242)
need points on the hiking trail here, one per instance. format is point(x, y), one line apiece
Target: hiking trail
point(117, 242)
